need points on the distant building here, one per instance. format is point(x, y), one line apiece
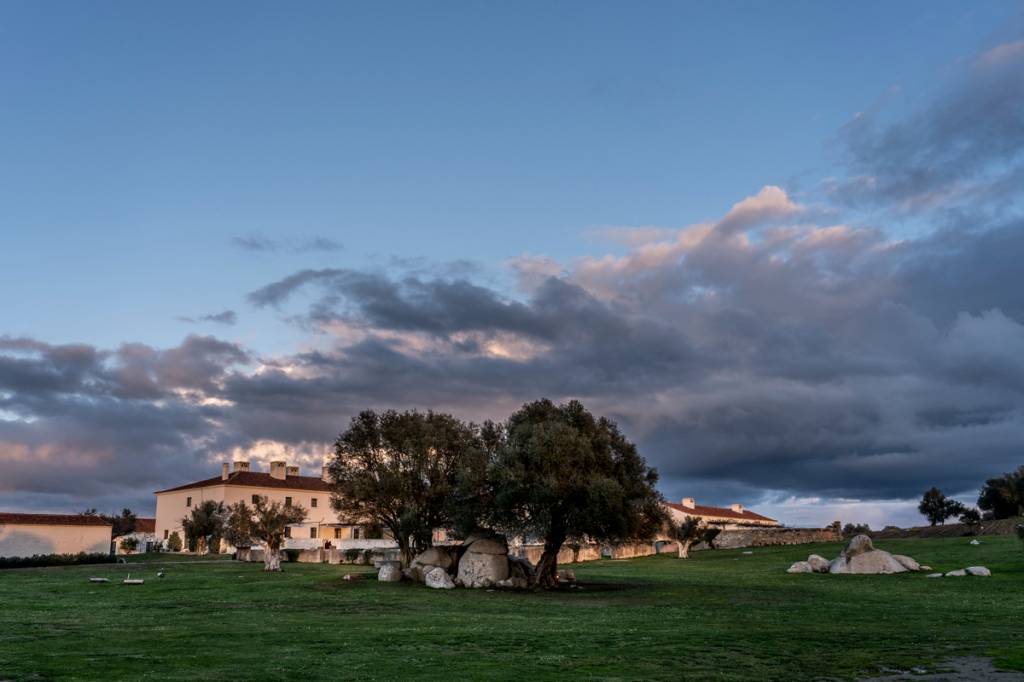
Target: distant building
point(733, 516)
point(25, 535)
point(144, 536)
point(282, 484)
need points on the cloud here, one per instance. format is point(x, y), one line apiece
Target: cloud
point(259, 244)
point(228, 317)
point(965, 142)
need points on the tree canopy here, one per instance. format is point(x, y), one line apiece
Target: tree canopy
point(936, 507)
point(204, 526)
point(405, 471)
point(559, 473)
point(1003, 496)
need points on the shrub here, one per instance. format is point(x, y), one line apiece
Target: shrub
point(55, 560)
point(351, 555)
point(174, 542)
point(129, 545)
point(367, 556)
point(292, 554)
point(1020, 532)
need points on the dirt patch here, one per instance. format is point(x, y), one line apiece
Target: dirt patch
point(962, 669)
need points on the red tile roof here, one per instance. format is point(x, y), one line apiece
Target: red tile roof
point(724, 512)
point(145, 525)
point(52, 519)
point(258, 479)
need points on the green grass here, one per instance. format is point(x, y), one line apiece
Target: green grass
point(720, 615)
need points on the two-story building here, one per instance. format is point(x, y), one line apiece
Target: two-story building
point(282, 483)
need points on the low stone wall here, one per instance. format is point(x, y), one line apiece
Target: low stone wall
point(767, 537)
point(593, 551)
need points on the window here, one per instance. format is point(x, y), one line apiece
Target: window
point(312, 532)
point(255, 498)
point(312, 502)
point(287, 531)
point(287, 501)
point(165, 533)
point(337, 533)
point(355, 533)
point(188, 501)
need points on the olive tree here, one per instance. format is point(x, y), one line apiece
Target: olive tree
point(559, 474)
point(203, 525)
point(404, 471)
point(264, 522)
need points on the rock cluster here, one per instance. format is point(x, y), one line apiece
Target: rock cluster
point(859, 557)
point(481, 561)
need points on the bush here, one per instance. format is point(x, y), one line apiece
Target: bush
point(367, 556)
point(129, 545)
point(1020, 532)
point(81, 558)
point(352, 555)
point(174, 542)
point(292, 554)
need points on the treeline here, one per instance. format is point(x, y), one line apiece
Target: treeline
point(55, 560)
point(1001, 497)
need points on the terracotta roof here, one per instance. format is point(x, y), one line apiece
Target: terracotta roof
point(258, 479)
point(145, 525)
point(52, 519)
point(724, 512)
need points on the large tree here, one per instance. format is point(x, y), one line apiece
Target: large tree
point(264, 522)
point(204, 525)
point(1003, 496)
point(404, 471)
point(691, 531)
point(561, 474)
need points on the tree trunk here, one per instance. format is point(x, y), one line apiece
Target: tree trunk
point(684, 548)
point(547, 567)
point(272, 559)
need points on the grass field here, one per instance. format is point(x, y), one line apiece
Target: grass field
point(720, 615)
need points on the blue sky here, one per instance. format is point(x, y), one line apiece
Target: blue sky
point(142, 147)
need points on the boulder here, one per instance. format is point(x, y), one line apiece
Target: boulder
point(800, 567)
point(438, 579)
point(860, 557)
point(567, 576)
point(435, 556)
point(488, 546)
point(908, 563)
point(858, 544)
point(959, 573)
point(482, 569)
point(925, 568)
point(390, 572)
point(819, 564)
point(520, 568)
point(979, 571)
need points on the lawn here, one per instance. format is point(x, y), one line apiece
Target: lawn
point(721, 615)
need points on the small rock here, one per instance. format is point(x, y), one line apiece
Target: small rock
point(438, 579)
point(975, 542)
point(819, 564)
point(926, 568)
point(748, 552)
point(567, 576)
point(352, 576)
point(800, 567)
point(934, 575)
point(979, 571)
point(956, 574)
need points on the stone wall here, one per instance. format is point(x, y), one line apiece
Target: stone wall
point(766, 537)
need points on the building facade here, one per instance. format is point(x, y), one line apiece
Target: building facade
point(25, 535)
point(282, 483)
point(726, 518)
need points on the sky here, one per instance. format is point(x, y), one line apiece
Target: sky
point(779, 244)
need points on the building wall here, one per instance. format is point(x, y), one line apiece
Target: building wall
point(721, 521)
point(28, 539)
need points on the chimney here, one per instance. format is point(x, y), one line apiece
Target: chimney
point(292, 471)
point(241, 465)
point(278, 470)
point(224, 471)
point(688, 502)
point(325, 473)
point(738, 508)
